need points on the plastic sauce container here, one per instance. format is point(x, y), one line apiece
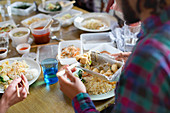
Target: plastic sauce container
point(41, 36)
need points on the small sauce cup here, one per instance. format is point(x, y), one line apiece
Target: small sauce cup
point(3, 52)
point(23, 48)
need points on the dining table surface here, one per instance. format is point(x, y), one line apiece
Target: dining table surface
point(45, 98)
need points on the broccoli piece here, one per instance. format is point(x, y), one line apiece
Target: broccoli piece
point(2, 79)
point(80, 74)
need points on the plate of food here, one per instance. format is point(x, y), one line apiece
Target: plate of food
point(13, 67)
point(94, 22)
point(55, 7)
point(7, 26)
point(39, 17)
point(98, 89)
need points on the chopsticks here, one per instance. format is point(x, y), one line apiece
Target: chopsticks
point(18, 94)
point(44, 44)
point(67, 4)
point(25, 87)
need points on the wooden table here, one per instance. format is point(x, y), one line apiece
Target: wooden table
point(43, 98)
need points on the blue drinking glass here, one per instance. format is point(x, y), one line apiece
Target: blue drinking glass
point(50, 68)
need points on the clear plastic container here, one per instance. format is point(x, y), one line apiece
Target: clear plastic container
point(41, 35)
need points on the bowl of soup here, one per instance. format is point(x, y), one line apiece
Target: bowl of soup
point(19, 35)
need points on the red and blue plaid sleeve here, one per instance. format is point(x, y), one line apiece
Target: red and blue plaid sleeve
point(83, 104)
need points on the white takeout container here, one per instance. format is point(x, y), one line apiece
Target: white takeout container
point(76, 43)
point(19, 40)
point(100, 58)
point(3, 55)
point(68, 22)
point(22, 12)
point(23, 51)
point(41, 16)
point(106, 47)
point(91, 40)
point(9, 22)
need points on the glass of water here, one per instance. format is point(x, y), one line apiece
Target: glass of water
point(50, 68)
point(4, 40)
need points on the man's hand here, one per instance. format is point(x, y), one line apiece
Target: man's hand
point(121, 56)
point(10, 96)
point(116, 6)
point(71, 87)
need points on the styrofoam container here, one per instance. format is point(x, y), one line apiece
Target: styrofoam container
point(74, 13)
point(41, 16)
point(106, 47)
point(91, 40)
point(63, 44)
point(6, 23)
point(22, 12)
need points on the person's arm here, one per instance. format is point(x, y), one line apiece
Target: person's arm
point(10, 97)
point(76, 91)
point(82, 104)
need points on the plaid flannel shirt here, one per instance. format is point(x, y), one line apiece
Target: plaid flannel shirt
point(144, 85)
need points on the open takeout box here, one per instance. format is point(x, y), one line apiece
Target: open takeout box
point(101, 58)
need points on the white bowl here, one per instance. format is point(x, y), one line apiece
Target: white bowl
point(19, 40)
point(3, 55)
point(24, 45)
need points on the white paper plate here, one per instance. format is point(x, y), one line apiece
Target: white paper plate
point(100, 96)
point(104, 17)
point(103, 96)
point(40, 8)
point(30, 62)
